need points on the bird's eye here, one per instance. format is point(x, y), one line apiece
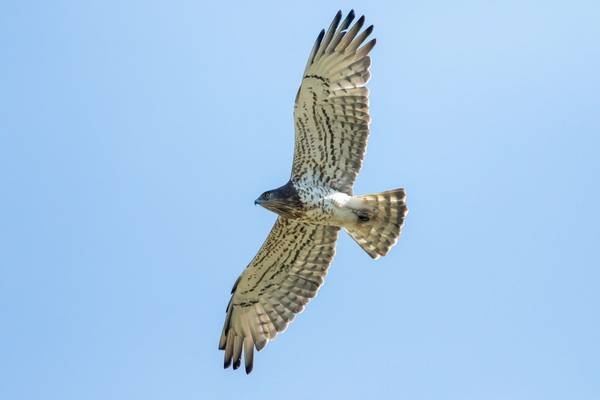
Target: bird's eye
point(267, 195)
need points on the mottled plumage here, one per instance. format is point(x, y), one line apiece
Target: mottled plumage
point(331, 116)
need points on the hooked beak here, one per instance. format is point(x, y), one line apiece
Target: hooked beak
point(258, 202)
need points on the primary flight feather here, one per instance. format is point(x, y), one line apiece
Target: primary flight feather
point(331, 115)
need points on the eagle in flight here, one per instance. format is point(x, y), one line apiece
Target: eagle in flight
point(331, 116)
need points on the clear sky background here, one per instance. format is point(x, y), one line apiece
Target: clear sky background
point(134, 137)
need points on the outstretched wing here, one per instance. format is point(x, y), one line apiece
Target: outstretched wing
point(332, 112)
point(285, 274)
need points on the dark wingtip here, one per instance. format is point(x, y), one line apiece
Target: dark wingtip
point(236, 364)
point(336, 19)
point(227, 363)
point(249, 369)
point(348, 20)
point(321, 34)
point(315, 50)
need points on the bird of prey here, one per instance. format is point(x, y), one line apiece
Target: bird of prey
point(331, 116)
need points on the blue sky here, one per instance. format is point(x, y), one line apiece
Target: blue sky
point(134, 137)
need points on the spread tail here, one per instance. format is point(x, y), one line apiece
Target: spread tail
point(379, 221)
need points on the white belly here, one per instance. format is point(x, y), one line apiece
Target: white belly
point(325, 206)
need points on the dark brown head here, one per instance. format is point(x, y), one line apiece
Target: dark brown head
point(283, 201)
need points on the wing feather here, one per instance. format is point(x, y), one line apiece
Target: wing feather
point(332, 109)
point(329, 35)
point(286, 273)
point(340, 32)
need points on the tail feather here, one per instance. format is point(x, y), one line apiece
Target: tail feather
point(379, 221)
